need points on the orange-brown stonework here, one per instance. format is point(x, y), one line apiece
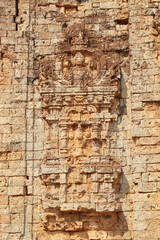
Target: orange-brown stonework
point(78, 173)
point(79, 120)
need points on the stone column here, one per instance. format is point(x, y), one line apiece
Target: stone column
point(63, 137)
point(95, 139)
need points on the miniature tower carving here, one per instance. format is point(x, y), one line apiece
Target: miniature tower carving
point(78, 91)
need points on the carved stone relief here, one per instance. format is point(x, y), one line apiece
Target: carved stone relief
point(78, 173)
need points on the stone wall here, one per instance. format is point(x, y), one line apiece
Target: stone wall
point(79, 120)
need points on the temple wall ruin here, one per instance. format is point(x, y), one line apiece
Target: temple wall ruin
point(79, 120)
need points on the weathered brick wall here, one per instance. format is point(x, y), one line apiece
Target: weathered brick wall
point(79, 176)
point(144, 75)
point(13, 85)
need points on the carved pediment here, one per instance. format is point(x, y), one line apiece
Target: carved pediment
point(78, 63)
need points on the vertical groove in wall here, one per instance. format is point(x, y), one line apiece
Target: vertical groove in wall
point(17, 8)
point(17, 12)
point(33, 29)
point(26, 110)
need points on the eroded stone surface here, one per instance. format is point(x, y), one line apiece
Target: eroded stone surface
point(79, 120)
